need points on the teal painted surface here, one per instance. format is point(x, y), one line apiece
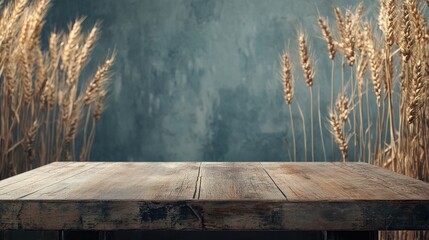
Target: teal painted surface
point(198, 80)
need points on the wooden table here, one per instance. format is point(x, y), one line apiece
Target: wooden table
point(333, 197)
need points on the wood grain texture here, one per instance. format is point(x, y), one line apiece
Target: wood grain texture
point(127, 181)
point(406, 187)
point(236, 181)
point(50, 177)
point(343, 181)
point(36, 173)
point(213, 196)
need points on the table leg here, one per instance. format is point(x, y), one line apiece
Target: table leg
point(5, 235)
point(352, 235)
point(82, 235)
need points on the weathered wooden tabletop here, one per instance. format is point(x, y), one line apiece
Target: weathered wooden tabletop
point(213, 196)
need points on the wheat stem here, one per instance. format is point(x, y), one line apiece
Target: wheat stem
point(304, 131)
point(293, 132)
point(312, 124)
point(322, 139)
point(332, 104)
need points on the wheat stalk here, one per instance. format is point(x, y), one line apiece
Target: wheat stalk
point(288, 91)
point(308, 71)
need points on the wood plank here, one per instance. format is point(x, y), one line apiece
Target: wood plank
point(215, 215)
point(115, 181)
point(304, 182)
point(373, 189)
point(402, 185)
point(330, 182)
point(41, 181)
point(231, 181)
point(32, 174)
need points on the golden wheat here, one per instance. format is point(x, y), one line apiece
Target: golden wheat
point(389, 123)
point(337, 131)
point(305, 59)
point(374, 63)
point(287, 79)
point(328, 37)
point(40, 96)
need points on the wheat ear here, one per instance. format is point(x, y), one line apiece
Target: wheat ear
point(374, 63)
point(287, 79)
point(337, 131)
point(328, 37)
point(288, 91)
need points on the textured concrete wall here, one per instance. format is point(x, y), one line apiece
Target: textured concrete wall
point(199, 79)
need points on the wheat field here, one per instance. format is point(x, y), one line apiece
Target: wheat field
point(45, 102)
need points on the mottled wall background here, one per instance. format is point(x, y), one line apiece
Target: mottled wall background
point(198, 80)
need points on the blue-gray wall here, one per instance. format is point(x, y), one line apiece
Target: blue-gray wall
point(198, 80)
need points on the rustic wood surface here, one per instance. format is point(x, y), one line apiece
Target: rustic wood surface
point(213, 196)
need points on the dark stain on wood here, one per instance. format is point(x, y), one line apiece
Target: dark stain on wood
point(18, 215)
point(150, 212)
point(276, 217)
point(104, 210)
